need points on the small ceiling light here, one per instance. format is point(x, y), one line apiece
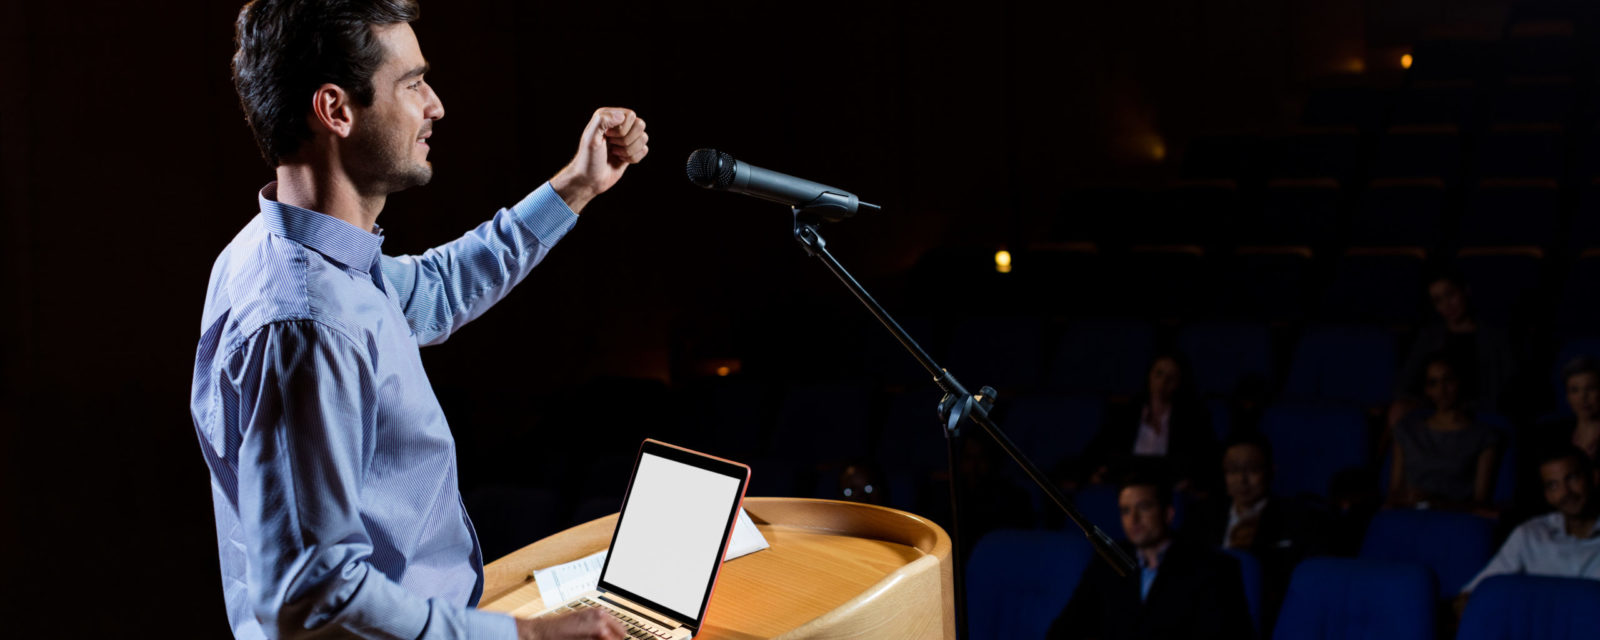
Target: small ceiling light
point(723, 371)
point(1002, 261)
point(1405, 61)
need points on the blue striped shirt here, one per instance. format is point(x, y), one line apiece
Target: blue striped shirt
point(333, 471)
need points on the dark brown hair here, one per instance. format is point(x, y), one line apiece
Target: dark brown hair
point(285, 49)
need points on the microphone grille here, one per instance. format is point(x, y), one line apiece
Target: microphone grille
point(710, 168)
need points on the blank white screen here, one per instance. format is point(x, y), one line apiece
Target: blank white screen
point(673, 524)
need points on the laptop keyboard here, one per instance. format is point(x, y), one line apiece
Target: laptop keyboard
point(635, 627)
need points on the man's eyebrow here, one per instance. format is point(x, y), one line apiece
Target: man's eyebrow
point(416, 72)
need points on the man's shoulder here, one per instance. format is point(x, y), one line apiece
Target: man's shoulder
point(262, 278)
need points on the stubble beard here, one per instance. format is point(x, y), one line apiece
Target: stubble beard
point(384, 164)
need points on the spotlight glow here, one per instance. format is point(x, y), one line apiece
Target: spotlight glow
point(1002, 261)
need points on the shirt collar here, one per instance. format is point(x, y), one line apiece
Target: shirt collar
point(325, 234)
point(1161, 555)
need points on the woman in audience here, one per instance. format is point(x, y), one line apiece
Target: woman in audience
point(1443, 457)
point(1483, 355)
point(1581, 378)
point(1166, 429)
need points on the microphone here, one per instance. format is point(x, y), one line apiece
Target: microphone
point(714, 169)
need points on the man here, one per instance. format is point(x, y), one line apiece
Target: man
point(1181, 591)
point(1564, 542)
point(333, 470)
point(1277, 531)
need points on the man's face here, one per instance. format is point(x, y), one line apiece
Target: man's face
point(1144, 519)
point(1566, 486)
point(1244, 469)
point(388, 146)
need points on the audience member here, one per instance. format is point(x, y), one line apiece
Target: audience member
point(1277, 531)
point(1564, 542)
point(1581, 378)
point(1165, 431)
point(862, 482)
point(1484, 356)
point(1443, 457)
point(1183, 590)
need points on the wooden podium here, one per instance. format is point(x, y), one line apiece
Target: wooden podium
point(835, 570)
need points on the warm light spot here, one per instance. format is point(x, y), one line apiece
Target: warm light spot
point(1002, 261)
point(1158, 150)
point(1405, 61)
point(723, 371)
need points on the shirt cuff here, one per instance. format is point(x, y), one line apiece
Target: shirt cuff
point(485, 624)
point(545, 214)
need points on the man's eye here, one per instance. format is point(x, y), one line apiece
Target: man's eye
point(414, 85)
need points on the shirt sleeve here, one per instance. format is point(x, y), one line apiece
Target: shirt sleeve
point(307, 406)
point(1509, 560)
point(449, 285)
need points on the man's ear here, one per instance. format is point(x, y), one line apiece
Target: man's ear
point(331, 109)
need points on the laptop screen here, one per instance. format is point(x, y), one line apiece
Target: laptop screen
point(674, 526)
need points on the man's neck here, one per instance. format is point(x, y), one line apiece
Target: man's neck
point(1580, 526)
point(1152, 554)
point(1242, 508)
point(329, 190)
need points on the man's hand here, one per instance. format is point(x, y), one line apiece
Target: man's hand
point(614, 139)
point(589, 624)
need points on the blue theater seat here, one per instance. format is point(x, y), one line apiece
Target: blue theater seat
point(1312, 443)
point(1003, 352)
point(1343, 364)
point(911, 447)
point(1455, 546)
point(1224, 353)
point(1342, 598)
point(1103, 356)
point(1018, 581)
point(1520, 607)
point(1250, 572)
point(1050, 428)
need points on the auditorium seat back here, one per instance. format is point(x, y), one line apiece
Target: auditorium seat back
point(1455, 546)
point(1518, 607)
point(1344, 598)
point(1018, 581)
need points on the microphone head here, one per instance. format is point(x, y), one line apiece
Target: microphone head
point(710, 168)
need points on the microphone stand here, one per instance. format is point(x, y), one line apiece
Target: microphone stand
point(957, 406)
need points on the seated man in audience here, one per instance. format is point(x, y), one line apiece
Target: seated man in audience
point(1181, 591)
point(1564, 542)
point(1277, 531)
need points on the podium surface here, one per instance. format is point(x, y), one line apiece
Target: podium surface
point(834, 570)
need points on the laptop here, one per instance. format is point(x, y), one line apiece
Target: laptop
point(676, 520)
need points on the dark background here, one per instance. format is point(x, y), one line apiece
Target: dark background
point(126, 166)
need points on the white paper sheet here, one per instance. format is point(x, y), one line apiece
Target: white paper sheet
point(563, 582)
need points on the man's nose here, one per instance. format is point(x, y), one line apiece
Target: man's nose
point(435, 109)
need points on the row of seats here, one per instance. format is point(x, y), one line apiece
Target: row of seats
point(1017, 581)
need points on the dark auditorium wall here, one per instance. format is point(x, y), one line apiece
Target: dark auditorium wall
point(126, 166)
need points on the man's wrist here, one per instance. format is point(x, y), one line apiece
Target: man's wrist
point(572, 191)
